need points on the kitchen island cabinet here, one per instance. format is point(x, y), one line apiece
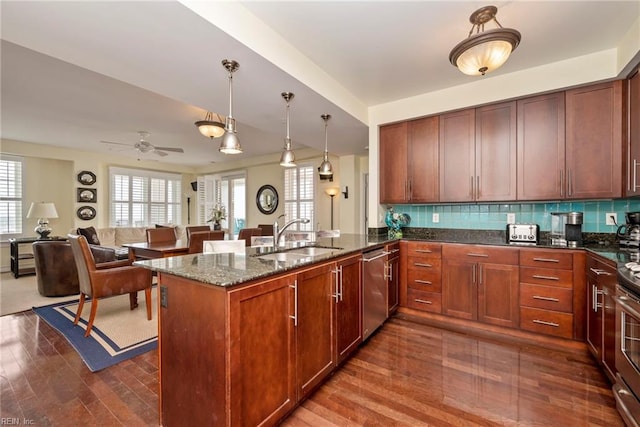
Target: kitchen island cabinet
point(348, 306)
point(409, 161)
point(481, 283)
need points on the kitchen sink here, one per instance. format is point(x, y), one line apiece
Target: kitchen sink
point(311, 251)
point(281, 256)
point(297, 253)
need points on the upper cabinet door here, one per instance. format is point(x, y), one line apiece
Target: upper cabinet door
point(541, 147)
point(594, 133)
point(633, 145)
point(495, 152)
point(457, 156)
point(393, 163)
point(423, 160)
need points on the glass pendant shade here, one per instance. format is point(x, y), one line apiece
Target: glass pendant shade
point(209, 127)
point(485, 51)
point(287, 158)
point(325, 169)
point(230, 143)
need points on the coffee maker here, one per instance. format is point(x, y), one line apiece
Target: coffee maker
point(629, 233)
point(566, 229)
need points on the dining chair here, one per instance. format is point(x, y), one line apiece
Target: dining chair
point(163, 234)
point(107, 279)
point(246, 233)
point(198, 237)
point(194, 228)
point(224, 246)
point(267, 229)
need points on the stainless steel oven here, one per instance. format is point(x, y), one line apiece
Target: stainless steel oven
point(627, 387)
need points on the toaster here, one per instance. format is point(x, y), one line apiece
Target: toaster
point(523, 234)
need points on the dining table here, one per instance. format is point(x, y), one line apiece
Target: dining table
point(146, 250)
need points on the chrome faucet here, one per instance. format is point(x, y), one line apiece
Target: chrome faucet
point(277, 231)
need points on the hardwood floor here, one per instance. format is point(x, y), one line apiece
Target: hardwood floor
point(408, 374)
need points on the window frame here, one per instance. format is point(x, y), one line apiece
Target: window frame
point(17, 199)
point(297, 202)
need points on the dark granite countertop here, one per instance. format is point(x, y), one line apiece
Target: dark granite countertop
point(231, 269)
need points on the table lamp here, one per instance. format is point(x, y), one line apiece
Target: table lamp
point(43, 211)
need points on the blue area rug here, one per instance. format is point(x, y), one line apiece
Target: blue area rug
point(118, 333)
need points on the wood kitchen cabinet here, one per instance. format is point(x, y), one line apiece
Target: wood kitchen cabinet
point(409, 161)
point(540, 147)
point(421, 286)
point(594, 137)
point(478, 154)
point(481, 283)
point(348, 306)
point(601, 313)
point(632, 158)
point(392, 276)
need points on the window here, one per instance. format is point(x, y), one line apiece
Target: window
point(228, 191)
point(299, 183)
point(10, 195)
point(140, 198)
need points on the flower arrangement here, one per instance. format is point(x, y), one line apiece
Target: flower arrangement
point(395, 221)
point(218, 213)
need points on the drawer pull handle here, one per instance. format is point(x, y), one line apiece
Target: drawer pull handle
point(425, 282)
point(420, 264)
point(422, 301)
point(546, 298)
point(424, 251)
point(478, 255)
point(599, 272)
point(546, 259)
point(538, 276)
point(542, 322)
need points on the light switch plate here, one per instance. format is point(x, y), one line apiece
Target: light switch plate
point(435, 218)
point(611, 218)
point(511, 218)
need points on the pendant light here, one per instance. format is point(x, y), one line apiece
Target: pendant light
point(484, 51)
point(325, 169)
point(287, 159)
point(230, 143)
point(209, 127)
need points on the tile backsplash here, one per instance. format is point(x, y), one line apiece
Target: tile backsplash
point(494, 216)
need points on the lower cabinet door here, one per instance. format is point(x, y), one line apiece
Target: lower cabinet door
point(459, 293)
point(348, 306)
point(498, 290)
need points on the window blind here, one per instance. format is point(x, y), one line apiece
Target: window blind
point(299, 195)
point(10, 195)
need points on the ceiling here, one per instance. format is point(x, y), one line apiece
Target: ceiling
point(77, 73)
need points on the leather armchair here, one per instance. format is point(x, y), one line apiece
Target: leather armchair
point(56, 272)
point(107, 279)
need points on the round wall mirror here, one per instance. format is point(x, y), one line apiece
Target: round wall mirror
point(267, 199)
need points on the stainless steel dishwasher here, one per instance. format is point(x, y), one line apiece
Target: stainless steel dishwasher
point(374, 291)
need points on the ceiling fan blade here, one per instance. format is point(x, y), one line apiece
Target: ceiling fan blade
point(116, 143)
point(173, 149)
point(160, 153)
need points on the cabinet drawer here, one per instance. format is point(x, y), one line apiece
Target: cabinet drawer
point(483, 254)
point(429, 280)
point(547, 259)
point(423, 264)
point(546, 322)
point(547, 277)
point(546, 297)
point(425, 301)
point(422, 249)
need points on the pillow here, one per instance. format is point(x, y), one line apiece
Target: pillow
point(91, 235)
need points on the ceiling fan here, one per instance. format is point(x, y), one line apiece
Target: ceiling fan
point(144, 146)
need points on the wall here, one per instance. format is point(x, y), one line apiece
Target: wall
point(494, 216)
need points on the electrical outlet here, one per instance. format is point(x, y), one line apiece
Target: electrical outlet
point(611, 218)
point(511, 218)
point(435, 217)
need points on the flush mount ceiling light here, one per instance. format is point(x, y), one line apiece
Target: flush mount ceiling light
point(230, 143)
point(484, 51)
point(287, 159)
point(325, 169)
point(209, 127)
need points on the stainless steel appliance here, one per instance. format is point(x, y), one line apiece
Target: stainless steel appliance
point(629, 233)
point(374, 291)
point(627, 387)
point(566, 229)
point(523, 234)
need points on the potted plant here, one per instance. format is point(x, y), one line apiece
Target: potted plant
point(218, 213)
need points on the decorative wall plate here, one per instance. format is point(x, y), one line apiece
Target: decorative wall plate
point(87, 178)
point(86, 213)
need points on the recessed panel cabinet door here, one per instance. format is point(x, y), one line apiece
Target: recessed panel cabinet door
point(423, 160)
point(540, 151)
point(633, 145)
point(457, 157)
point(393, 163)
point(348, 307)
point(594, 141)
point(459, 292)
point(498, 294)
